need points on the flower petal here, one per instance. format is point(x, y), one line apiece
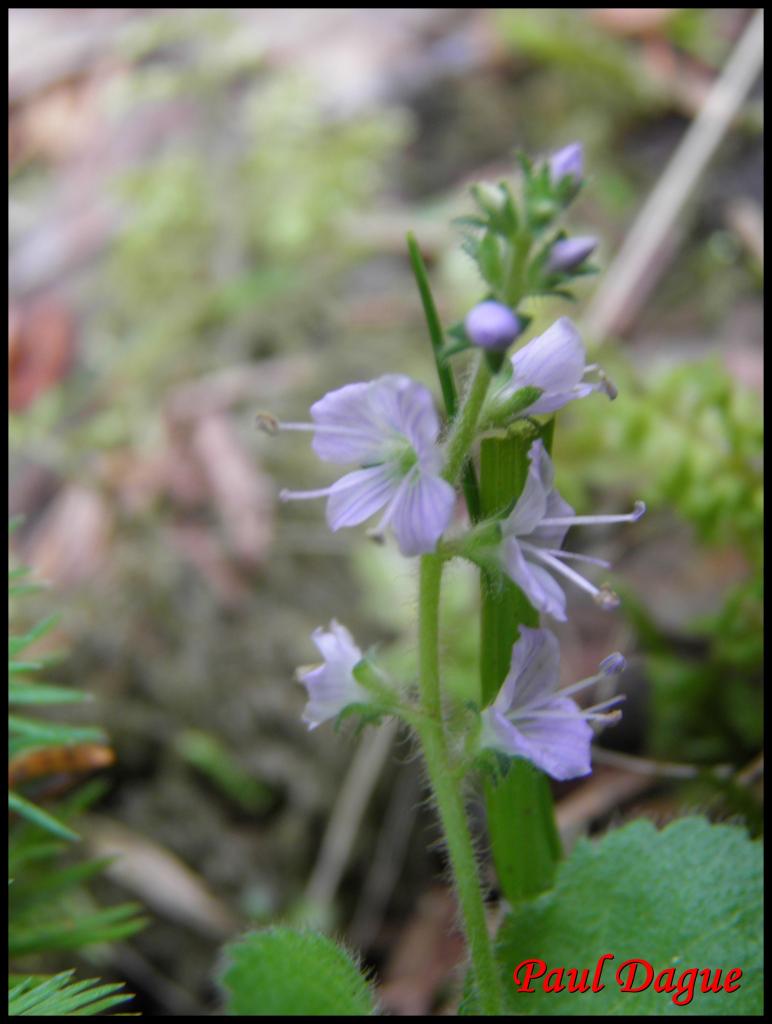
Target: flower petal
point(552, 536)
point(407, 408)
point(361, 437)
point(560, 746)
point(552, 402)
point(534, 671)
point(331, 686)
point(372, 417)
point(337, 645)
point(359, 494)
point(422, 513)
point(531, 506)
point(554, 362)
point(544, 592)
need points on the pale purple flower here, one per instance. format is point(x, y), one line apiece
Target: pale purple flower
point(531, 718)
point(555, 363)
point(568, 253)
point(533, 535)
point(568, 161)
point(332, 686)
point(389, 428)
point(492, 325)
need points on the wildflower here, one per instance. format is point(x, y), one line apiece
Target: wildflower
point(568, 161)
point(555, 363)
point(332, 686)
point(532, 536)
point(389, 427)
point(567, 253)
point(492, 325)
point(531, 718)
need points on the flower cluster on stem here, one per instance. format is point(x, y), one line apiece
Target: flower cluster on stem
point(406, 466)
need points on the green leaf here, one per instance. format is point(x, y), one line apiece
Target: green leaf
point(50, 733)
point(489, 260)
point(56, 996)
point(19, 643)
point(38, 816)
point(109, 925)
point(286, 972)
point(23, 692)
point(689, 896)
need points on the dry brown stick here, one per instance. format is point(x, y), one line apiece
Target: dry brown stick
point(347, 815)
point(623, 288)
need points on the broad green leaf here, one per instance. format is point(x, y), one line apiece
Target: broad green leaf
point(686, 897)
point(285, 972)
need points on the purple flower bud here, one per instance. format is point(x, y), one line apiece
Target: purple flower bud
point(492, 325)
point(570, 252)
point(567, 161)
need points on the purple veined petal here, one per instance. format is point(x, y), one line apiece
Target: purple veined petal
point(324, 696)
point(554, 361)
point(552, 402)
point(328, 695)
point(531, 506)
point(372, 418)
point(544, 592)
point(534, 671)
point(415, 416)
point(361, 439)
point(332, 686)
point(552, 536)
point(359, 495)
point(559, 745)
point(337, 645)
point(422, 512)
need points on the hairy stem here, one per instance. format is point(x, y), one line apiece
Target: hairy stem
point(449, 800)
point(444, 373)
point(463, 432)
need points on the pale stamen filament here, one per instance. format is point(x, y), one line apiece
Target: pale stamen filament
point(560, 567)
point(559, 553)
point(321, 428)
point(286, 495)
point(630, 517)
point(594, 713)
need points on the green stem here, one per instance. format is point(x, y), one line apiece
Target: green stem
point(447, 383)
point(521, 821)
point(450, 803)
point(462, 434)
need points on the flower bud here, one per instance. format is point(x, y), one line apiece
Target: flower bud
point(492, 325)
point(489, 197)
point(568, 253)
point(568, 161)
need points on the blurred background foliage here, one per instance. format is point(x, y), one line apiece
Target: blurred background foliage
point(207, 218)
